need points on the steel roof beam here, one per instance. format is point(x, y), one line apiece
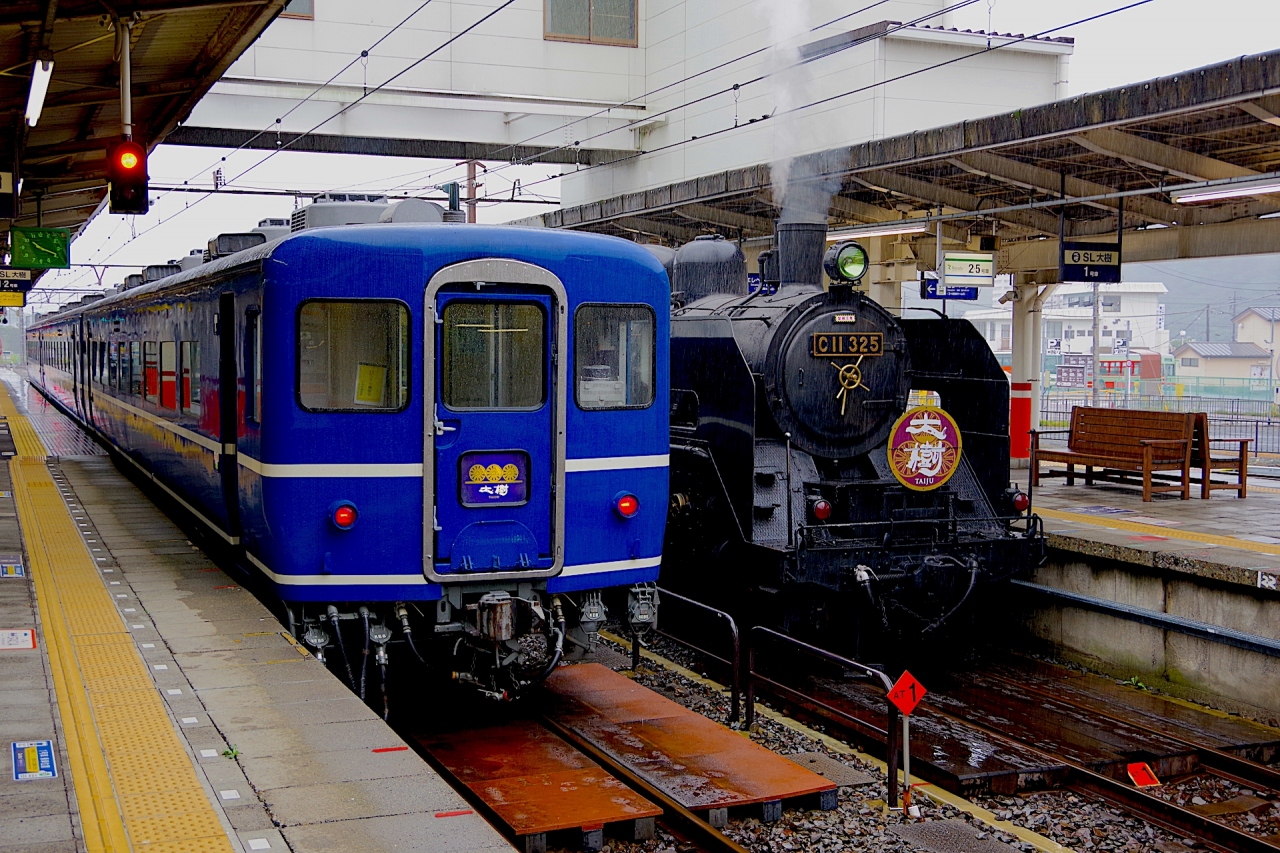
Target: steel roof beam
point(953, 198)
point(726, 218)
point(1157, 156)
point(656, 228)
point(1242, 237)
point(1025, 175)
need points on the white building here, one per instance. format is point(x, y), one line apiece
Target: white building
point(1131, 312)
point(627, 76)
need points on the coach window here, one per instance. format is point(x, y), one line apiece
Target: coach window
point(493, 356)
point(353, 355)
point(613, 354)
point(168, 374)
point(189, 391)
point(135, 368)
point(150, 370)
point(593, 21)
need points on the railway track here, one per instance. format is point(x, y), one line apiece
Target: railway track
point(1051, 752)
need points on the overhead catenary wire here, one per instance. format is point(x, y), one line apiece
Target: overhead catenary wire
point(316, 127)
point(1011, 41)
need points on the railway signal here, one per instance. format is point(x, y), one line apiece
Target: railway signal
point(127, 174)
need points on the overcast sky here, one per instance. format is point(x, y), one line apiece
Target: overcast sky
point(1156, 38)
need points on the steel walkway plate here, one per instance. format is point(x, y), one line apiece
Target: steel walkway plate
point(534, 781)
point(700, 763)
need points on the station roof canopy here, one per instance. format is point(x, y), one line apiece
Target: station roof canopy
point(1006, 174)
point(179, 49)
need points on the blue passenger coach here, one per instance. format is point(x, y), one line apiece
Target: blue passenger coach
point(456, 431)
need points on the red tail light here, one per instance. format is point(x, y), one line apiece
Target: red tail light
point(344, 515)
point(822, 510)
point(1021, 502)
point(627, 505)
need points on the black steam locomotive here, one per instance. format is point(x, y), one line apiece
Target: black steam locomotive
point(808, 490)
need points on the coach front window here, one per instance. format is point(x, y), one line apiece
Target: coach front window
point(493, 356)
point(613, 354)
point(353, 355)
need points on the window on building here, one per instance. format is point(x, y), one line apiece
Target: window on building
point(1111, 303)
point(305, 9)
point(1006, 336)
point(1107, 333)
point(494, 356)
point(613, 356)
point(594, 21)
point(1191, 362)
point(353, 355)
point(189, 387)
point(1053, 329)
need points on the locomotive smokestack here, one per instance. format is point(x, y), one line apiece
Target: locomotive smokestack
point(800, 247)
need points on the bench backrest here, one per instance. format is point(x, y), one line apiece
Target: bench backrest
point(1120, 432)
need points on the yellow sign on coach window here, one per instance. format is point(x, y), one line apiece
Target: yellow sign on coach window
point(371, 384)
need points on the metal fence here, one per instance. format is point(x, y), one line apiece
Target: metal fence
point(1228, 418)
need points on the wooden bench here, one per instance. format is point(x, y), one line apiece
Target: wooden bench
point(1202, 454)
point(1121, 440)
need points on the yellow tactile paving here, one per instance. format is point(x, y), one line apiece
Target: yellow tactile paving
point(1158, 530)
point(136, 788)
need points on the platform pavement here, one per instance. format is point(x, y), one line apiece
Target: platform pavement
point(256, 746)
point(1224, 538)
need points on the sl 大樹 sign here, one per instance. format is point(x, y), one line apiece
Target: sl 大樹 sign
point(924, 448)
point(1090, 262)
point(40, 248)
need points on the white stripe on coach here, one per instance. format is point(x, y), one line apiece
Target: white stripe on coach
point(617, 463)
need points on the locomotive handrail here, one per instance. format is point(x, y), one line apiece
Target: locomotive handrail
point(735, 690)
point(890, 732)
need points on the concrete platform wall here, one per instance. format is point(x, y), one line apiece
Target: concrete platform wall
point(1221, 676)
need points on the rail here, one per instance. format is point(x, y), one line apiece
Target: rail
point(890, 731)
point(735, 665)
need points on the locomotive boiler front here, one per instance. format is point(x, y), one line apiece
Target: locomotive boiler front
point(834, 366)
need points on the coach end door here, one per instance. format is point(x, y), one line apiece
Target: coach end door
point(495, 421)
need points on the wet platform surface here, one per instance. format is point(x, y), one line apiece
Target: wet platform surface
point(536, 783)
point(199, 725)
point(700, 763)
point(1224, 538)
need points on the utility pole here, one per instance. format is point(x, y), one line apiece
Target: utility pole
point(471, 191)
point(1097, 336)
point(1207, 309)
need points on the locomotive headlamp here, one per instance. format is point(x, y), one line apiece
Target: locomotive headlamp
point(1021, 501)
point(343, 514)
point(846, 263)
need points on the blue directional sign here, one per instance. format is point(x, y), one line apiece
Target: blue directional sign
point(929, 290)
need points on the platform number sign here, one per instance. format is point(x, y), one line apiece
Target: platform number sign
point(33, 759)
point(906, 693)
point(1090, 262)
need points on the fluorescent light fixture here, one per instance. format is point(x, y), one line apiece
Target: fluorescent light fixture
point(886, 230)
point(41, 73)
point(1233, 189)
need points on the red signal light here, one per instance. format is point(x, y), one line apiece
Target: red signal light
point(822, 510)
point(127, 175)
point(344, 515)
point(1021, 501)
point(627, 505)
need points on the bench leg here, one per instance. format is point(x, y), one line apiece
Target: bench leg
point(1186, 481)
point(1244, 472)
point(1206, 474)
point(1035, 470)
point(1071, 474)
